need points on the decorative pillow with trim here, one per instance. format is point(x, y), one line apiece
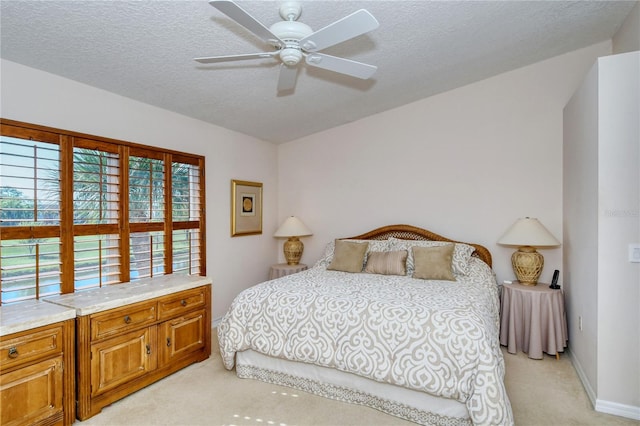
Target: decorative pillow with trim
point(387, 263)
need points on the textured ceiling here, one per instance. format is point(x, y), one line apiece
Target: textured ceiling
point(144, 50)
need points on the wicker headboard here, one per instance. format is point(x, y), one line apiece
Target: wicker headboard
point(408, 232)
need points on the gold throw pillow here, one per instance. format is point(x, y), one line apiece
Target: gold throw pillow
point(348, 256)
point(433, 263)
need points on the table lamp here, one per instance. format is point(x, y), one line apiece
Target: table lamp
point(527, 234)
point(292, 228)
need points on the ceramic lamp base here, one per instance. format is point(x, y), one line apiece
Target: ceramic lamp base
point(527, 264)
point(293, 248)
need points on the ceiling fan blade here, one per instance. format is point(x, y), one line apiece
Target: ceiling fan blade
point(341, 65)
point(243, 18)
point(227, 58)
point(350, 26)
point(287, 79)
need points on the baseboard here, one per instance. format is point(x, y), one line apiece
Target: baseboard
point(215, 322)
point(583, 379)
point(607, 407)
point(617, 409)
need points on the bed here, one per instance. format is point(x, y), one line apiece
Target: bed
point(399, 319)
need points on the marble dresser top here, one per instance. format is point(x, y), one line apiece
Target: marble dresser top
point(117, 295)
point(29, 314)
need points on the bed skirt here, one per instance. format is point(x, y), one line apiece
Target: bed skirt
point(408, 404)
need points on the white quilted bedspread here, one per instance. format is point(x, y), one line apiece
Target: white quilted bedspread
point(440, 337)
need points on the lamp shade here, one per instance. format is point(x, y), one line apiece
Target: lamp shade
point(528, 231)
point(292, 227)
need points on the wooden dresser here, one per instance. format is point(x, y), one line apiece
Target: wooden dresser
point(133, 334)
point(37, 364)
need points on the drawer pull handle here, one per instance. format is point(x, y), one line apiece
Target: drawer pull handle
point(13, 352)
point(183, 302)
point(168, 341)
point(127, 319)
point(148, 349)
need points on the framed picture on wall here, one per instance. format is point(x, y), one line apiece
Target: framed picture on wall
point(246, 208)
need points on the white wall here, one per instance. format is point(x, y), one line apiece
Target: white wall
point(602, 216)
point(618, 225)
point(465, 164)
point(37, 97)
point(580, 231)
point(627, 39)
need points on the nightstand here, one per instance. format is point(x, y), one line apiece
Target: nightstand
point(533, 320)
point(283, 269)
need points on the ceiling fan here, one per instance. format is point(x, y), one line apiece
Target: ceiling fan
point(294, 40)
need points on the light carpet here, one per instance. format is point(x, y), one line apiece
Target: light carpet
point(542, 392)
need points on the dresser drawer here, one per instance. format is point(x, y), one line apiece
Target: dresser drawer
point(121, 320)
point(176, 304)
point(30, 346)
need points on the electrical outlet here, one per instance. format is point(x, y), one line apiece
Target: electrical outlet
point(580, 322)
point(634, 253)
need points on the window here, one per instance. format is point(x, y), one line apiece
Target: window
point(96, 260)
point(30, 268)
point(30, 190)
point(146, 190)
point(186, 203)
point(186, 251)
point(96, 184)
point(118, 211)
point(30, 214)
point(147, 254)
point(185, 191)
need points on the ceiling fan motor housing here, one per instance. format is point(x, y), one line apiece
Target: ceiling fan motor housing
point(291, 32)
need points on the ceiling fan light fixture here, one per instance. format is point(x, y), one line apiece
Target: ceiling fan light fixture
point(290, 56)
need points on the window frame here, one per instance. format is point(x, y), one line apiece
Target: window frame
point(67, 230)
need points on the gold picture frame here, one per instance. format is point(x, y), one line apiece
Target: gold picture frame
point(246, 208)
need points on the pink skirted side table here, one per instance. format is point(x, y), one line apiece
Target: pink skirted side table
point(533, 320)
point(282, 269)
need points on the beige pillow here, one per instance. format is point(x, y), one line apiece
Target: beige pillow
point(374, 245)
point(433, 263)
point(461, 253)
point(348, 256)
point(386, 263)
